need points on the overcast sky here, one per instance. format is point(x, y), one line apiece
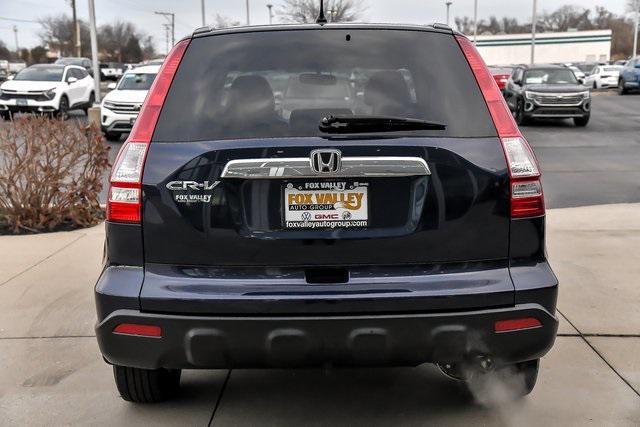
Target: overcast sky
point(188, 16)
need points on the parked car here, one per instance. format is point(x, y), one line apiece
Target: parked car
point(501, 75)
point(629, 76)
point(120, 107)
point(405, 232)
point(112, 70)
point(4, 69)
point(16, 66)
point(81, 62)
point(47, 88)
point(580, 75)
point(547, 92)
point(603, 76)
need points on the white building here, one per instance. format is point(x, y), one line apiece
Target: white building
point(572, 46)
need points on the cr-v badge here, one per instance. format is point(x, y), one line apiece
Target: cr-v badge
point(188, 187)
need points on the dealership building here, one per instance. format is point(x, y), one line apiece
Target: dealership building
point(572, 46)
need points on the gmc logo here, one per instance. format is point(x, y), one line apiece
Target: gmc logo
point(326, 216)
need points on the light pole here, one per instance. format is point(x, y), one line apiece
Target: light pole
point(248, 14)
point(202, 9)
point(635, 31)
point(94, 50)
point(15, 35)
point(270, 7)
point(448, 6)
point(475, 20)
point(172, 19)
point(534, 18)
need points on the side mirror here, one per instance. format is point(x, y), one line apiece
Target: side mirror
point(10, 77)
point(90, 71)
point(581, 80)
point(517, 82)
point(71, 80)
point(111, 86)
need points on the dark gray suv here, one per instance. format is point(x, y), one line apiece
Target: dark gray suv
point(400, 224)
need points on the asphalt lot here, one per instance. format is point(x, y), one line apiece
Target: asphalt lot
point(595, 165)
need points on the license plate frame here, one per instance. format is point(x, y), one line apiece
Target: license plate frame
point(22, 102)
point(325, 205)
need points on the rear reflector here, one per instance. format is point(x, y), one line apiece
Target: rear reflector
point(527, 200)
point(516, 324)
point(139, 330)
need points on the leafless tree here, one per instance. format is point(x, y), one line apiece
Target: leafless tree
point(306, 11)
point(222, 21)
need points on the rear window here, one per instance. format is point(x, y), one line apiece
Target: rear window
point(282, 83)
point(136, 81)
point(550, 76)
point(41, 74)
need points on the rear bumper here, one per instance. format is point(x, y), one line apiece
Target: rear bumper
point(266, 341)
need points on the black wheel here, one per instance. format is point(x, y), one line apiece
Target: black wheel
point(581, 121)
point(621, 88)
point(507, 382)
point(5, 115)
point(112, 136)
point(521, 118)
point(595, 85)
point(92, 99)
point(63, 108)
point(146, 385)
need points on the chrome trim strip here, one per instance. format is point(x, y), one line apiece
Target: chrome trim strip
point(300, 167)
point(556, 116)
point(563, 97)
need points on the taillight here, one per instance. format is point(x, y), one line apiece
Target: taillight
point(527, 199)
point(125, 199)
point(124, 203)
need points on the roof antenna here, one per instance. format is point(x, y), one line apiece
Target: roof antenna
point(321, 18)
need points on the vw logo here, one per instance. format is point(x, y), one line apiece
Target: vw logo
point(326, 161)
point(306, 216)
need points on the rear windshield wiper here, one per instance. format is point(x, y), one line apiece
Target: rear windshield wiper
point(363, 124)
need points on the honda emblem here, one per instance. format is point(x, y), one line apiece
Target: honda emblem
point(326, 161)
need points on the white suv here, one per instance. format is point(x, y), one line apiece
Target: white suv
point(47, 89)
point(121, 106)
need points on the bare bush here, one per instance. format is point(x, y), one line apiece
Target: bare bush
point(50, 174)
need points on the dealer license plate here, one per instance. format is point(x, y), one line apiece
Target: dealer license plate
point(326, 205)
point(21, 101)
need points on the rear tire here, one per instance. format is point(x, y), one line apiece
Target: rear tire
point(581, 121)
point(112, 136)
point(621, 88)
point(63, 109)
point(146, 385)
point(5, 115)
point(92, 99)
point(520, 117)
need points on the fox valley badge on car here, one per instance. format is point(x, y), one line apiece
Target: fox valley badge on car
point(328, 208)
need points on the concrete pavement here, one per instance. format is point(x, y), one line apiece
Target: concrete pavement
point(51, 372)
